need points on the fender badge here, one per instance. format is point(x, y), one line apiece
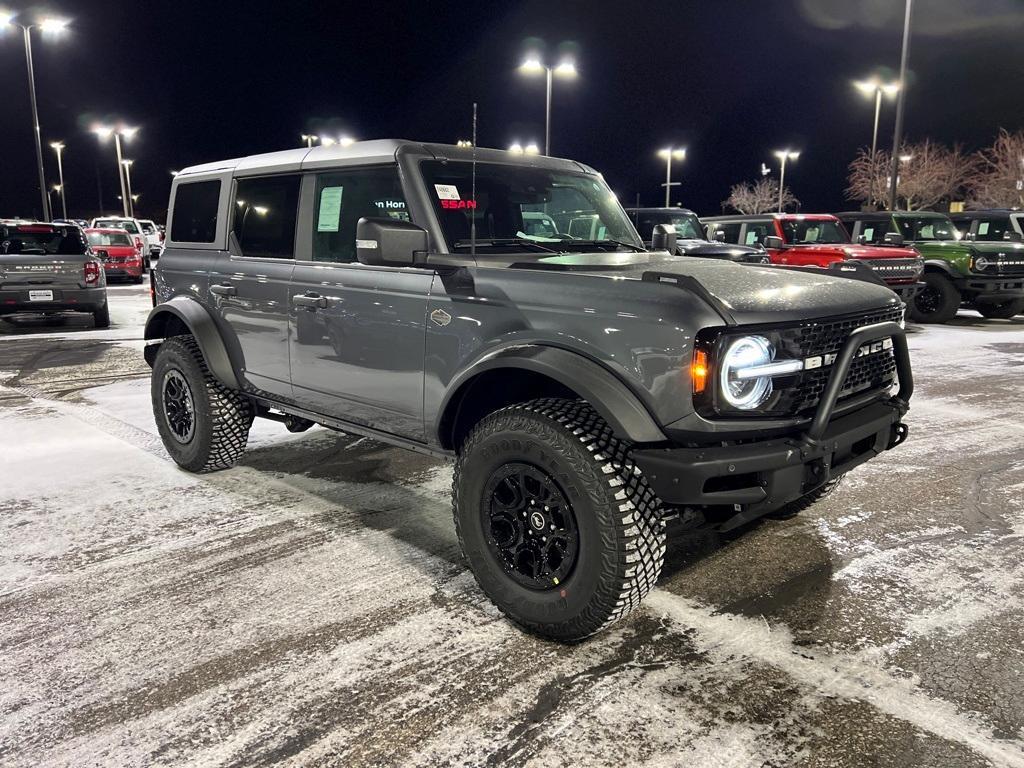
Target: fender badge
point(440, 317)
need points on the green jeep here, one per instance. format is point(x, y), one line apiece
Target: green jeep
point(986, 276)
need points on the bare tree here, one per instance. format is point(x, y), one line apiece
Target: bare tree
point(999, 181)
point(930, 173)
point(759, 197)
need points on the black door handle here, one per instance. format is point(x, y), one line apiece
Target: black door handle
point(310, 301)
point(223, 290)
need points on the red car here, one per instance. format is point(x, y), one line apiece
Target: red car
point(121, 257)
point(819, 240)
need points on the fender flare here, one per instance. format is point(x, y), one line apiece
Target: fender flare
point(611, 398)
point(201, 325)
point(939, 265)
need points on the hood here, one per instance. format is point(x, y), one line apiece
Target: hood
point(754, 294)
point(854, 251)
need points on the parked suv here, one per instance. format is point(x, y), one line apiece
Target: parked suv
point(585, 388)
point(49, 268)
point(988, 277)
point(818, 241)
point(690, 239)
point(1000, 226)
point(133, 227)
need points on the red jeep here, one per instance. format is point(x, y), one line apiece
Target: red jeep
point(819, 241)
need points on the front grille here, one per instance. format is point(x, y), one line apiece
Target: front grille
point(999, 264)
point(799, 394)
point(896, 270)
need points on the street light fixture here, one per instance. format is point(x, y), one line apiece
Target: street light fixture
point(128, 183)
point(58, 147)
point(668, 154)
point(464, 143)
point(874, 87)
point(516, 148)
point(784, 155)
point(309, 138)
point(48, 25)
point(105, 132)
point(533, 65)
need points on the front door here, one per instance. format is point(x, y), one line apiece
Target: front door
point(357, 331)
point(249, 285)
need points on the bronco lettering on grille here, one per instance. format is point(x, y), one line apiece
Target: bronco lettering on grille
point(821, 361)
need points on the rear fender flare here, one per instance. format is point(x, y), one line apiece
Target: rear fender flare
point(201, 325)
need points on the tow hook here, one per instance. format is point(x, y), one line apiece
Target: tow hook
point(898, 434)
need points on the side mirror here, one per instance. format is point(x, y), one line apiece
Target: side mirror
point(862, 239)
point(893, 238)
point(774, 243)
point(664, 238)
point(970, 236)
point(719, 235)
point(1013, 236)
point(391, 242)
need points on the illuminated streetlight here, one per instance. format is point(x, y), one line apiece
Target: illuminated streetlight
point(58, 147)
point(464, 143)
point(784, 155)
point(105, 132)
point(533, 65)
point(874, 87)
point(516, 147)
point(48, 26)
point(327, 141)
point(309, 138)
point(532, 148)
point(668, 154)
point(346, 141)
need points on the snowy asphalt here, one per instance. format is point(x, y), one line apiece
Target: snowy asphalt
point(310, 606)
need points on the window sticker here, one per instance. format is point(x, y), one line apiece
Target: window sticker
point(447, 192)
point(329, 219)
point(983, 228)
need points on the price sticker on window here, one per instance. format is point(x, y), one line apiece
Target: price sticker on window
point(329, 219)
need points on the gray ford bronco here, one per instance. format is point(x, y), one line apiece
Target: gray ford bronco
point(586, 388)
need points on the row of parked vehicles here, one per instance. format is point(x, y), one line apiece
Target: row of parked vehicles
point(64, 265)
point(934, 262)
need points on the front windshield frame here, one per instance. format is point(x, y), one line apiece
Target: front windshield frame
point(447, 184)
point(790, 226)
point(910, 226)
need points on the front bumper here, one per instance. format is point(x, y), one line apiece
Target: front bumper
point(996, 287)
point(756, 478)
point(123, 270)
point(64, 300)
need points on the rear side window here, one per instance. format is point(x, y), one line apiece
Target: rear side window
point(730, 230)
point(195, 212)
point(992, 229)
point(264, 216)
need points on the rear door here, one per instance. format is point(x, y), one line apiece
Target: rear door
point(358, 331)
point(248, 284)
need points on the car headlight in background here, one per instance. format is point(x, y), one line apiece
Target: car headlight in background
point(741, 385)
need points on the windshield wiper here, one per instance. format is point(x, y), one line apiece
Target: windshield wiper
point(499, 241)
point(623, 244)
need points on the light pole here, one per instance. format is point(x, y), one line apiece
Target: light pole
point(668, 154)
point(309, 138)
point(55, 188)
point(105, 132)
point(784, 155)
point(532, 65)
point(58, 147)
point(897, 134)
point(128, 183)
point(874, 87)
point(46, 26)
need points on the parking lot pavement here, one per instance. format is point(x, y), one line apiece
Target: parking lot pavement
point(310, 606)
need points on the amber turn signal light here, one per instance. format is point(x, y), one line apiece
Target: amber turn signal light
point(699, 370)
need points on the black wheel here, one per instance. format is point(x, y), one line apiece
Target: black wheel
point(1000, 310)
point(937, 301)
point(203, 424)
point(557, 523)
point(804, 502)
point(101, 316)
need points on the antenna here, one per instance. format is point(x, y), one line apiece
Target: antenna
point(472, 211)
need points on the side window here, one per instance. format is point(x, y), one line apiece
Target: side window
point(343, 198)
point(264, 216)
point(730, 230)
point(757, 231)
point(195, 212)
point(992, 229)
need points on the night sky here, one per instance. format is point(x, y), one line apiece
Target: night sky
point(729, 80)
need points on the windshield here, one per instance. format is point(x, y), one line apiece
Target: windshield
point(41, 240)
point(109, 238)
point(520, 206)
point(927, 228)
point(687, 224)
point(812, 231)
point(119, 224)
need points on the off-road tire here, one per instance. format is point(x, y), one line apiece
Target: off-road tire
point(942, 300)
point(222, 416)
point(794, 508)
point(101, 316)
point(1000, 310)
point(620, 520)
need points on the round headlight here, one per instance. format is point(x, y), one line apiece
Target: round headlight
point(981, 263)
point(748, 392)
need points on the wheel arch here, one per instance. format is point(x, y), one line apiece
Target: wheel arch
point(184, 316)
point(940, 266)
point(525, 372)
